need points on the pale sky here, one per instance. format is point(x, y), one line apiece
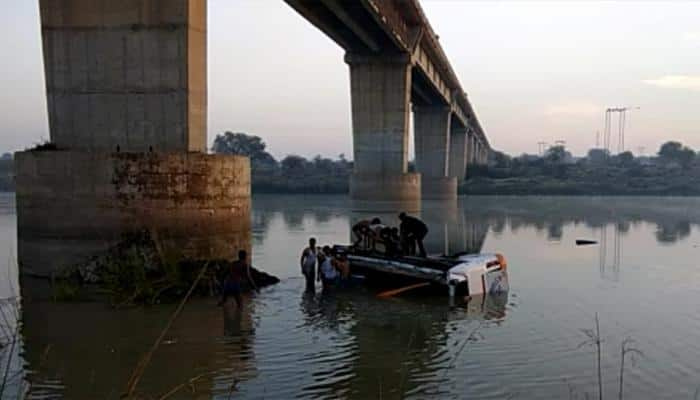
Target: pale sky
point(534, 71)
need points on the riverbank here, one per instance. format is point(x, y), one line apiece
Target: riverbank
point(567, 182)
point(547, 186)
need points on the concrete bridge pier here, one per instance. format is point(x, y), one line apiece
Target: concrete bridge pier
point(483, 155)
point(126, 87)
point(381, 93)
point(432, 128)
point(471, 150)
point(458, 153)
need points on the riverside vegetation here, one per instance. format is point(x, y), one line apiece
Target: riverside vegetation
point(674, 170)
point(7, 173)
point(138, 271)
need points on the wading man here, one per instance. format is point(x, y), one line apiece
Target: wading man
point(232, 284)
point(309, 258)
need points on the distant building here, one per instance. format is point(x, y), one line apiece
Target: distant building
point(6, 156)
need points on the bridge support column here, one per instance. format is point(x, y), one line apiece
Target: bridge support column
point(458, 154)
point(470, 148)
point(126, 74)
point(484, 155)
point(432, 137)
point(126, 88)
point(380, 94)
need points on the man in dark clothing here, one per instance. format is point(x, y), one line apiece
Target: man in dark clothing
point(232, 284)
point(413, 231)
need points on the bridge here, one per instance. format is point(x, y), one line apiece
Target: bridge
point(126, 85)
point(396, 62)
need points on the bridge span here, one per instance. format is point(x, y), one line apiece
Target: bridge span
point(126, 86)
point(396, 62)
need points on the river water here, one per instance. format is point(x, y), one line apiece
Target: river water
point(642, 281)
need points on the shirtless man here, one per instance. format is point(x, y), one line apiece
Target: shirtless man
point(366, 230)
point(232, 284)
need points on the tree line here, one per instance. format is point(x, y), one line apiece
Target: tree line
point(7, 173)
point(673, 170)
point(292, 174)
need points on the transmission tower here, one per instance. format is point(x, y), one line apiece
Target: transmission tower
point(622, 122)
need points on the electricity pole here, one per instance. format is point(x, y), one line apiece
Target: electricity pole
point(621, 124)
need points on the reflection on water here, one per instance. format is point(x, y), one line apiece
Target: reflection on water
point(641, 278)
point(87, 351)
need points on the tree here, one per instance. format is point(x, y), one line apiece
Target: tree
point(670, 150)
point(324, 166)
point(294, 166)
point(500, 159)
point(597, 156)
point(675, 152)
point(245, 145)
point(557, 155)
point(625, 158)
point(343, 164)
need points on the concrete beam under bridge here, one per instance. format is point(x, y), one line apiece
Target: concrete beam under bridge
point(380, 96)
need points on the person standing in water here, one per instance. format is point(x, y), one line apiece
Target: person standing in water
point(232, 284)
point(309, 258)
point(327, 272)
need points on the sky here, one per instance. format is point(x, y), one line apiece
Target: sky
point(534, 72)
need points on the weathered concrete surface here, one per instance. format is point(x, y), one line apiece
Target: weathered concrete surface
point(127, 73)
point(480, 153)
point(444, 188)
point(380, 92)
point(399, 188)
point(483, 158)
point(471, 148)
point(432, 136)
point(458, 154)
point(71, 205)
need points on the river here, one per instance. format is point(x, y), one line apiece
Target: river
point(641, 280)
